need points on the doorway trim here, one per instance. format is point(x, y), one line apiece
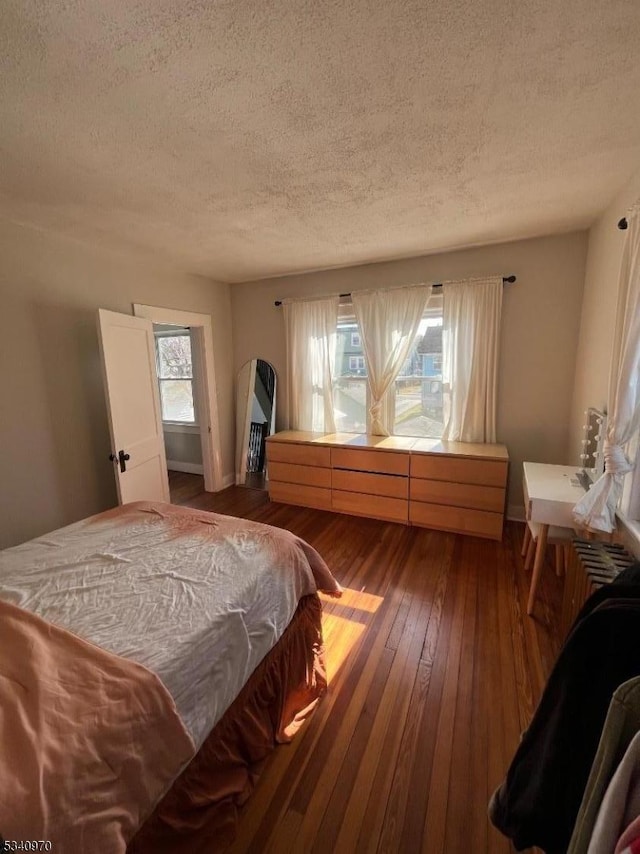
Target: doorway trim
point(202, 337)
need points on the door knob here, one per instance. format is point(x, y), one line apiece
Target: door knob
point(122, 458)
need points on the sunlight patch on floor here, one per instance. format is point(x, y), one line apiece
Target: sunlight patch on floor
point(344, 623)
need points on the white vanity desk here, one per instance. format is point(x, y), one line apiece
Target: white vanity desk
point(550, 494)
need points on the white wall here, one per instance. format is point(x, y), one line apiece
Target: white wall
point(541, 316)
point(54, 440)
point(183, 446)
point(597, 326)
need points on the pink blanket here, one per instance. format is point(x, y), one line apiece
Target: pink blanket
point(90, 741)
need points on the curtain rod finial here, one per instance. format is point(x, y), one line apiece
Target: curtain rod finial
point(623, 224)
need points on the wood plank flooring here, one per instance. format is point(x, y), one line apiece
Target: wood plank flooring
point(434, 671)
point(183, 487)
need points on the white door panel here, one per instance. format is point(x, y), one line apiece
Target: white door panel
point(131, 388)
point(146, 479)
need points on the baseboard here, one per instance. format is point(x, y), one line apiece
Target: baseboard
point(515, 513)
point(228, 480)
point(188, 468)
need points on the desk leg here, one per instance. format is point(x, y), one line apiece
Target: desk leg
point(541, 549)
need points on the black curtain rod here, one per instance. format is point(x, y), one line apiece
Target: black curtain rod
point(511, 279)
point(623, 225)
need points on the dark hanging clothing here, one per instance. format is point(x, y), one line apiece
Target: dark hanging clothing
point(630, 575)
point(539, 800)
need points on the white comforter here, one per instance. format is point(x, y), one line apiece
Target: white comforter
point(197, 597)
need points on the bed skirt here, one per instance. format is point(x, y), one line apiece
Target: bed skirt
point(200, 811)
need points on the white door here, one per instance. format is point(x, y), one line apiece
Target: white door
point(128, 355)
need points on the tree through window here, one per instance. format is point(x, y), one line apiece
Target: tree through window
point(175, 376)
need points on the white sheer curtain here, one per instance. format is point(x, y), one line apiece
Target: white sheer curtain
point(470, 341)
point(310, 335)
point(388, 322)
point(598, 507)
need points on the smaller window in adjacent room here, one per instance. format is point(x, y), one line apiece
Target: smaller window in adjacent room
point(355, 339)
point(175, 376)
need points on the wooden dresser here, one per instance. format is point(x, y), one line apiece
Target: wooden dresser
point(458, 486)
point(450, 486)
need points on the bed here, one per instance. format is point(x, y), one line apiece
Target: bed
point(150, 659)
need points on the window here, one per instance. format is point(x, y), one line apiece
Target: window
point(418, 394)
point(350, 392)
point(175, 376)
point(630, 501)
point(419, 388)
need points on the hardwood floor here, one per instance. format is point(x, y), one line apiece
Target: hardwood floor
point(434, 671)
point(183, 487)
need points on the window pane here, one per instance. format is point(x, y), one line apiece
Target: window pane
point(350, 404)
point(174, 356)
point(630, 502)
point(350, 376)
point(177, 400)
point(419, 390)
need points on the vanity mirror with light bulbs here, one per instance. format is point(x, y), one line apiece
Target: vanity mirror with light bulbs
point(592, 455)
point(255, 420)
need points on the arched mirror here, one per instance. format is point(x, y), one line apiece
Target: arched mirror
point(255, 420)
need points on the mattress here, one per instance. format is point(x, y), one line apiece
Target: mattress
point(198, 598)
point(125, 638)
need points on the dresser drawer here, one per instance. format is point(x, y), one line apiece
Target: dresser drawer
point(481, 523)
point(459, 470)
point(373, 506)
point(305, 496)
point(291, 473)
point(390, 485)
point(383, 462)
point(309, 455)
point(458, 494)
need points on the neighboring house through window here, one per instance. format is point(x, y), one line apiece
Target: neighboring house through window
point(418, 387)
point(418, 393)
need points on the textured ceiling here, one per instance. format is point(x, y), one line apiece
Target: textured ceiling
point(249, 139)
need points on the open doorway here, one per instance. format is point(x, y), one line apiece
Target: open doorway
point(186, 379)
